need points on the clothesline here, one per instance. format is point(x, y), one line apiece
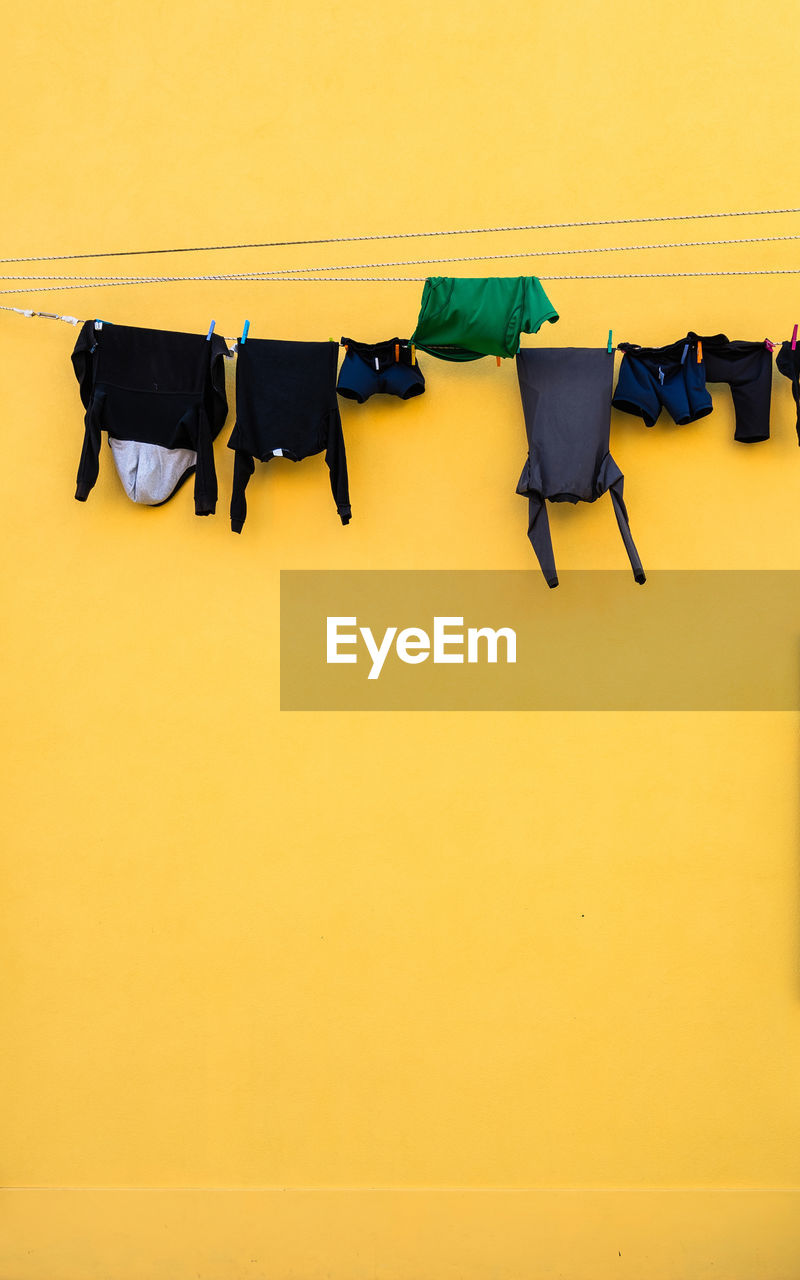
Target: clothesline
point(263, 278)
point(413, 262)
point(406, 235)
point(287, 398)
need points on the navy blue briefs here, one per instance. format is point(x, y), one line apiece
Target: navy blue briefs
point(387, 368)
point(671, 377)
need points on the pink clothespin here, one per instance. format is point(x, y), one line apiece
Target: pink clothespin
point(794, 338)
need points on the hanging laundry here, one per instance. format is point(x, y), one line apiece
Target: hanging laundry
point(789, 366)
point(747, 368)
point(386, 368)
point(675, 376)
point(160, 397)
point(672, 377)
point(566, 401)
point(466, 318)
point(286, 407)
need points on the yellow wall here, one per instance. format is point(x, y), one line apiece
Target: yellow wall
point(268, 952)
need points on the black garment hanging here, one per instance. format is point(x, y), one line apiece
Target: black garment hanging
point(789, 366)
point(566, 401)
point(676, 376)
point(160, 396)
point(286, 407)
point(747, 369)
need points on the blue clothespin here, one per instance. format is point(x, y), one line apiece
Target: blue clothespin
point(245, 332)
point(610, 344)
point(210, 330)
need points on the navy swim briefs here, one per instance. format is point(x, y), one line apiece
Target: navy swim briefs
point(671, 377)
point(387, 368)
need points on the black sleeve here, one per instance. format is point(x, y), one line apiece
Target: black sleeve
point(217, 406)
point(83, 364)
point(337, 465)
point(205, 476)
point(82, 361)
point(89, 465)
point(243, 468)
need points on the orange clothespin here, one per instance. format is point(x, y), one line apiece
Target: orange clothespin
point(397, 353)
point(699, 351)
point(498, 361)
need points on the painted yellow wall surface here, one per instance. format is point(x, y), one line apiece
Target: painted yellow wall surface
point(389, 995)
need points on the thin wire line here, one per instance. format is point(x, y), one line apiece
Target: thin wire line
point(415, 262)
point(406, 235)
point(627, 275)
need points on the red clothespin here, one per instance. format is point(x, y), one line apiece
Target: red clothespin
point(794, 337)
point(397, 353)
point(498, 361)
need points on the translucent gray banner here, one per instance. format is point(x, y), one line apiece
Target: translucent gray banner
point(501, 641)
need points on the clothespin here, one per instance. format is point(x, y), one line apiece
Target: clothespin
point(397, 353)
point(610, 344)
point(210, 330)
point(245, 332)
point(377, 365)
point(498, 361)
point(699, 351)
point(685, 353)
point(769, 345)
point(98, 324)
point(413, 356)
point(794, 337)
